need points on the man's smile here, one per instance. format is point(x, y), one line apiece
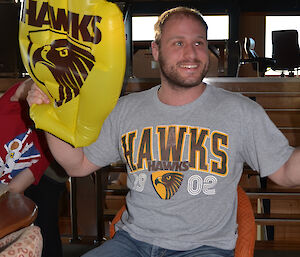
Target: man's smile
point(189, 66)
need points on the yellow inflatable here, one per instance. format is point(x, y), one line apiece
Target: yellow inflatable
point(75, 52)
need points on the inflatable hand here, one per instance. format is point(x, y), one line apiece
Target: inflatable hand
point(75, 52)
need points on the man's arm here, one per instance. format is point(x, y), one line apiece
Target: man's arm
point(289, 174)
point(71, 159)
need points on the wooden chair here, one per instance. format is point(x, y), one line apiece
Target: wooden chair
point(260, 64)
point(246, 226)
point(17, 211)
point(245, 220)
point(18, 237)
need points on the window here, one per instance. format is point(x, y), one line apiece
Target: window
point(143, 27)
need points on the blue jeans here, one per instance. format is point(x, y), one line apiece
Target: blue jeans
point(123, 245)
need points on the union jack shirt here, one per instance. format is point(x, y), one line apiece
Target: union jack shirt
point(21, 146)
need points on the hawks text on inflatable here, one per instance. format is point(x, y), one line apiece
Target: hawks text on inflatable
point(75, 52)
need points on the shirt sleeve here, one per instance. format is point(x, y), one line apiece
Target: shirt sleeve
point(105, 150)
point(265, 148)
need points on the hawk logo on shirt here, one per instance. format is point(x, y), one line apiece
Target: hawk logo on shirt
point(166, 184)
point(21, 154)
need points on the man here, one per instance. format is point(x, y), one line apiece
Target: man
point(185, 144)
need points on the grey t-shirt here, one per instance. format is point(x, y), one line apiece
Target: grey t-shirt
point(184, 163)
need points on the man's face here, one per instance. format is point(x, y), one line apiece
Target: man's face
point(183, 52)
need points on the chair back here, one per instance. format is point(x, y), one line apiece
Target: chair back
point(246, 226)
point(260, 64)
point(249, 47)
point(285, 49)
point(245, 220)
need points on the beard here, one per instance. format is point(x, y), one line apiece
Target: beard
point(173, 76)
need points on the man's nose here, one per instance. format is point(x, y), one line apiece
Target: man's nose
point(190, 50)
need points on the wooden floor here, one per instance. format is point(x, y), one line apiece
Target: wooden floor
point(77, 250)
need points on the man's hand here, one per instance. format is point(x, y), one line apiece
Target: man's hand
point(37, 96)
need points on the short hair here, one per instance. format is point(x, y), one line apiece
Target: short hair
point(185, 11)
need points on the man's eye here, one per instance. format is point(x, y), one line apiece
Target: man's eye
point(178, 44)
point(198, 43)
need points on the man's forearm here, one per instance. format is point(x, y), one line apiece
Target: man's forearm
point(293, 168)
point(71, 159)
point(289, 174)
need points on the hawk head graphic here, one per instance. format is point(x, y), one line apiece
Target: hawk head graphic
point(69, 65)
point(166, 184)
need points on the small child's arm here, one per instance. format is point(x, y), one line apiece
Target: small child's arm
point(21, 181)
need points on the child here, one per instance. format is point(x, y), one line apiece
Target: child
point(26, 165)
point(24, 154)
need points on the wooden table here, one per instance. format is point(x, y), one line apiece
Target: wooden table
point(16, 212)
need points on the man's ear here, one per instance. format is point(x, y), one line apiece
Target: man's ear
point(155, 50)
